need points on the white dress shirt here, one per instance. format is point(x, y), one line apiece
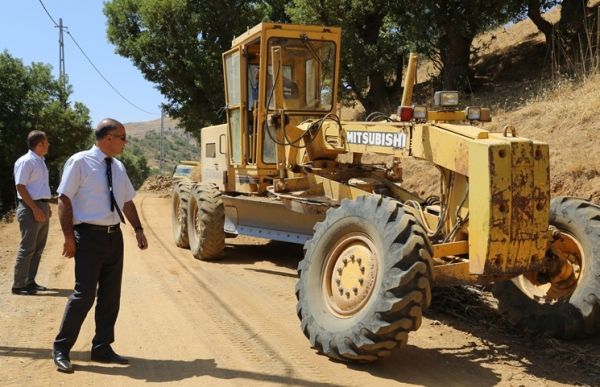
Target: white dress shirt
point(85, 183)
point(31, 171)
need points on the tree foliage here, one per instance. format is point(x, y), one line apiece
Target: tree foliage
point(446, 30)
point(374, 45)
point(33, 100)
point(177, 44)
point(136, 167)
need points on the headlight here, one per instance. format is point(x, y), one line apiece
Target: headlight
point(420, 112)
point(473, 113)
point(445, 98)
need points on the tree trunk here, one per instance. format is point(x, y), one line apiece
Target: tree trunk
point(454, 54)
point(547, 28)
point(578, 32)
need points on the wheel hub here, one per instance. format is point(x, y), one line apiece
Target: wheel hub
point(350, 276)
point(560, 282)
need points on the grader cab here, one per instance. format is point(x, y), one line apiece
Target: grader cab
point(373, 249)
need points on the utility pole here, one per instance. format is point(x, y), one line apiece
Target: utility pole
point(61, 61)
point(162, 115)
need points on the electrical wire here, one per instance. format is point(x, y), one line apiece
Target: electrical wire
point(94, 66)
point(106, 80)
point(378, 116)
point(48, 13)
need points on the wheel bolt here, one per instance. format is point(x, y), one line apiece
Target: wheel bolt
point(347, 294)
point(337, 281)
point(355, 290)
point(340, 271)
point(362, 269)
point(361, 280)
point(359, 260)
point(341, 291)
point(352, 257)
point(345, 260)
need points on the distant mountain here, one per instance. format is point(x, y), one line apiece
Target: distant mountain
point(139, 129)
point(144, 139)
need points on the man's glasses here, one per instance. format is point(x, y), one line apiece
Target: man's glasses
point(122, 137)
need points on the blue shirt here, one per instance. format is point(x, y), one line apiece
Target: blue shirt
point(85, 183)
point(30, 170)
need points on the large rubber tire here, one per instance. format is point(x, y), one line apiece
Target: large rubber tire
point(206, 218)
point(370, 238)
point(569, 305)
point(179, 210)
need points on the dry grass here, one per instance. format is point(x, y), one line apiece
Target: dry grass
point(563, 113)
point(567, 119)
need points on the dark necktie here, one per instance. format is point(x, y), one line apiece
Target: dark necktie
point(113, 201)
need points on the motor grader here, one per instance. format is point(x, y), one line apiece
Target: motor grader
point(372, 249)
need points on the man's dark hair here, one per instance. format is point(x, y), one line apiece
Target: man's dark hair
point(35, 137)
point(105, 127)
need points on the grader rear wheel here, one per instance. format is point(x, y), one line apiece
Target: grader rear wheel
point(179, 210)
point(565, 300)
point(364, 281)
point(206, 218)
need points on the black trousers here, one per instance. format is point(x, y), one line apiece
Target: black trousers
point(98, 272)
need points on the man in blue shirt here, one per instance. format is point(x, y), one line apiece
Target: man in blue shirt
point(33, 212)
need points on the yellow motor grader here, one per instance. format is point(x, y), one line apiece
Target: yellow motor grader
point(373, 249)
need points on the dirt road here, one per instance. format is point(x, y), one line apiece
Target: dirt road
point(233, 322)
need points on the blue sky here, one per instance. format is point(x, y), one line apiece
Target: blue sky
point(27, 33)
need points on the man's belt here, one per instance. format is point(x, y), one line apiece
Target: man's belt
point(37, 200)
point(95, 227)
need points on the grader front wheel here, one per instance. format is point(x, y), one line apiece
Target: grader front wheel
point(564, 301)
point(364, 281)
point(179, 210)
point(206, 218)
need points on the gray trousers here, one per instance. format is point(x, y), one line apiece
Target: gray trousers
point(33, 240)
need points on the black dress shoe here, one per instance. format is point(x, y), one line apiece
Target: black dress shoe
point(105, 354)
point(36, 287)
point(23, 291)
point(62, 361)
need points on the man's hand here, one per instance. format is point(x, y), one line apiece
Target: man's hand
point(69, 247)
point(141, 239)
point(38, 214)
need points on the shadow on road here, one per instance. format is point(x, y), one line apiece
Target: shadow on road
point(155, 370)
point(472, 310)
point(281, 254)
point(54, 293)
point(431, 367)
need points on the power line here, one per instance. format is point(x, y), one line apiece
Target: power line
point(103, 77)
point(48, 13)
point(94, 66)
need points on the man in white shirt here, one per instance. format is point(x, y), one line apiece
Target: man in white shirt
point(95, 192)
point(33, 212)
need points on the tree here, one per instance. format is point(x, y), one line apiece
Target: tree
point(177, 44)
point(374, 45)
point(32, 99)
point(137, 168)
point(448, 28)
point(574, 38)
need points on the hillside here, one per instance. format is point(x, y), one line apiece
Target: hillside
point(519, 87)
point(139, 129)
point(176, 145)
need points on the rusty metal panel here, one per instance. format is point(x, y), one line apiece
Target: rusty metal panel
point(489, 204)
point(515, 179)
point(541, 194)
